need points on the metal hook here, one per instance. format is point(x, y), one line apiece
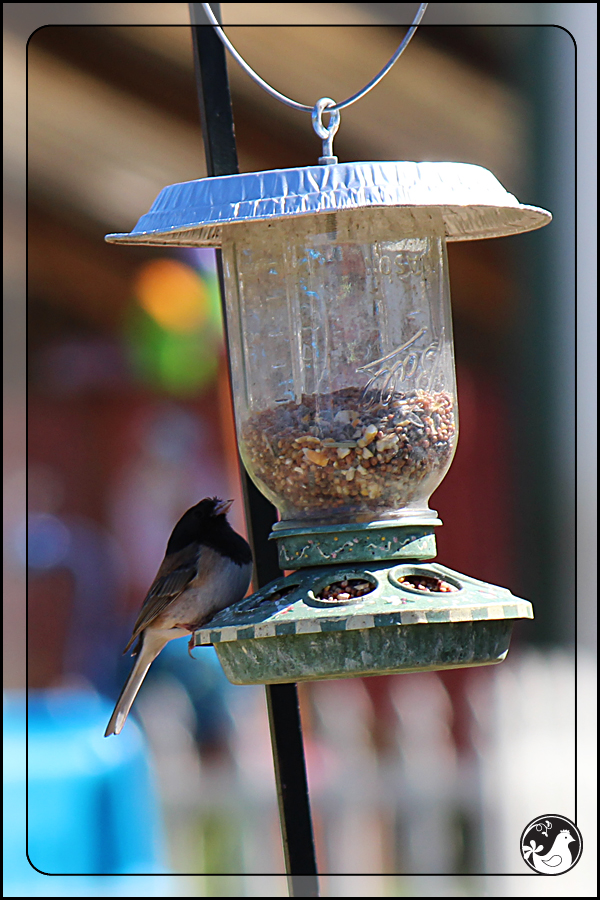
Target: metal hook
point(326, 133)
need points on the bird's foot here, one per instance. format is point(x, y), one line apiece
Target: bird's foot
point(191, 646)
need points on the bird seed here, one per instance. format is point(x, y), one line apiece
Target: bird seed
point(350, 452)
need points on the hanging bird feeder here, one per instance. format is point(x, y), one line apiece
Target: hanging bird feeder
point(342, 361)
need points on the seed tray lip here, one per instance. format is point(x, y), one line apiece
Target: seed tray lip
point(409, 571)
point(347, 575)
point(354, 619)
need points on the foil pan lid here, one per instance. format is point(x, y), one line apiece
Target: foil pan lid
point(471, 200)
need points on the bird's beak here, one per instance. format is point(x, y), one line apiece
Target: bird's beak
point(222, 507)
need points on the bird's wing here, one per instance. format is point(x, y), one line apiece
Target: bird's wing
point(553, 861)
point(173, 577)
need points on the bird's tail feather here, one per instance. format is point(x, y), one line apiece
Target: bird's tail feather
point(151, 646)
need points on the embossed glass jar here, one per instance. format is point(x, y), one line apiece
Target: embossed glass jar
point(342, 360)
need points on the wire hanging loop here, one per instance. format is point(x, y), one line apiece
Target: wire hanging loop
point(326, 133)
point(301, 106)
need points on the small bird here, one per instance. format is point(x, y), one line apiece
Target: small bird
point(557, 860)
point(207, 566)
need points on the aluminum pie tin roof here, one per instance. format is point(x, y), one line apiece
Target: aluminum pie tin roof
point(472, 202)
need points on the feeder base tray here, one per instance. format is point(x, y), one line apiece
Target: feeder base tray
point(345, 620)
point(373, 651)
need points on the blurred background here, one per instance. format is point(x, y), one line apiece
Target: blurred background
point(428, 778)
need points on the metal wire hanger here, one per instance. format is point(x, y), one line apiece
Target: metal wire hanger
point(325, 104)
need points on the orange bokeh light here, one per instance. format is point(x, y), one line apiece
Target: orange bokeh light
point(173, 294)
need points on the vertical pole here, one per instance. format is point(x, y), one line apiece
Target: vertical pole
point(282, 699)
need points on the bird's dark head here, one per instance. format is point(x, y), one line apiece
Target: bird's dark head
point(199, 522)
point(210, 508)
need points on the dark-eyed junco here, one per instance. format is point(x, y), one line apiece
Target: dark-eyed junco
point(207, 566)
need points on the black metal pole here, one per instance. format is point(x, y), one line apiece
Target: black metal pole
point(282, 699)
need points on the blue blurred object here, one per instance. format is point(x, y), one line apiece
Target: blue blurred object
point(92, 802)
point(93, 559)
point(206, 684)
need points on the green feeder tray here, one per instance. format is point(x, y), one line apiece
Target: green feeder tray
point(364, 615)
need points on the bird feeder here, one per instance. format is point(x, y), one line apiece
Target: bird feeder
point(342, 361)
